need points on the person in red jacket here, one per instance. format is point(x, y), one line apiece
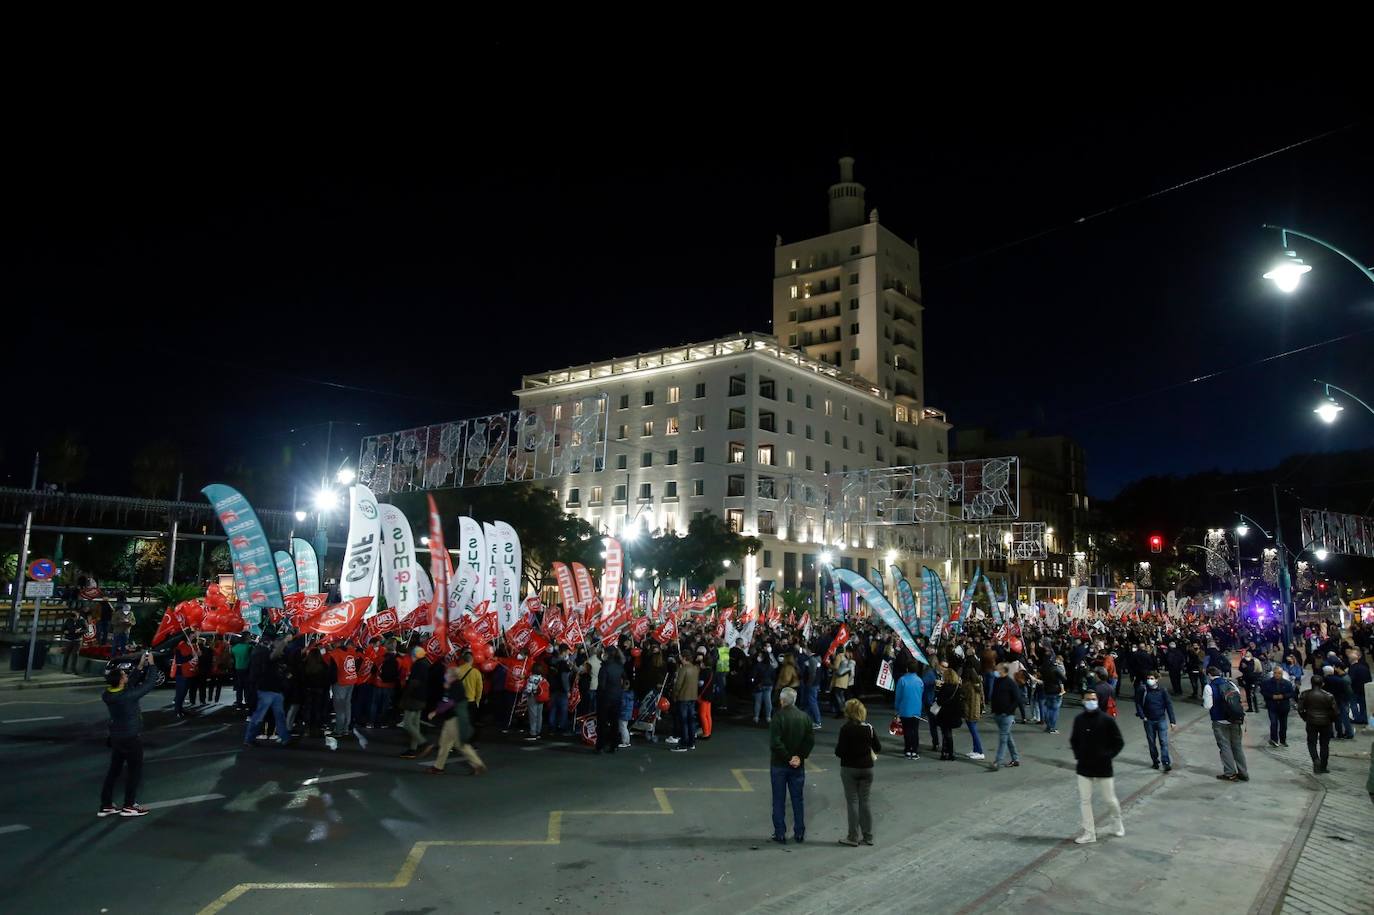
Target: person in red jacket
point(386, 676)
point(343, 663)
point(362, 692)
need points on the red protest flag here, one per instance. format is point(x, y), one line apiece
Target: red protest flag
point(841, 637)
point(298, 604)
point(338, 621)
point(590, 611)
point(612, 620)
point(573, 635)
point(792, 617)
point(553, 625)
point(639, 628)
point(518, 635)
point(536, 645)
point(167, 627)
point(382, 623)
point(668, 631)
point(440, 569)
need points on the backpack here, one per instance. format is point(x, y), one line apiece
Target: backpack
point(1235, 709)
point(391, 670)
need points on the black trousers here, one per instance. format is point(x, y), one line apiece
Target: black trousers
point(607, 728)
point(1176, 681)
point(1319, 734)
point(128, 751)
point(911, 735)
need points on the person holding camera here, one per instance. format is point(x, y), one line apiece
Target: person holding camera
point(126, 728)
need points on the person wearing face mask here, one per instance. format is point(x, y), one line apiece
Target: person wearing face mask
point(1250, 679)
point(1278, 693)
point(1096, 740)
point(1175, 659)
point(1154, 707)
point(1004, 701)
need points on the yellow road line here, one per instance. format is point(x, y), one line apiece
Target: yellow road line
point(553, 836)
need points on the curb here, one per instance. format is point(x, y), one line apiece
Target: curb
point(80, 683)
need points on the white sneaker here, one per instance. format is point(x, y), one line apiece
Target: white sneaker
point(1119, 829)
point(670, 740)
point(977, 756)
point(622, 745)
point(1085, 839)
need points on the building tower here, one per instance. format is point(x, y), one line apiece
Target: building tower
point(852, 298)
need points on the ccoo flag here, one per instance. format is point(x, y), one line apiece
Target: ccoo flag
point(255, 575)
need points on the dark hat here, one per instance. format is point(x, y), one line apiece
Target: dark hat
point(1214, 671)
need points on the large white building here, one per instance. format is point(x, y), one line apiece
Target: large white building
point(748, 426)
point(852, 298)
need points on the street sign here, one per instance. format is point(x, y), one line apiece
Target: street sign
point(38, 589)
point(42, 570)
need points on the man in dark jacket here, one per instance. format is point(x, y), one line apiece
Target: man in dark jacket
point(72, 633)
point(126, 743)
point(1338, 685)
point(269, 678)
point(791, 738)
point(1153, 706)
point(1278, 696)
point(1358, 673)
point(1095, 741)
point(1174, 659)
point(1318, 709)
point(610, 695)
point(1004, 701)
point(412, 703)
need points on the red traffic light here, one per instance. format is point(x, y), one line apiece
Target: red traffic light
point(1156, 543)
point(1321, 586)
point(1233, 603)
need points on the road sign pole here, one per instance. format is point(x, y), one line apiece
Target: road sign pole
point(33, 636)
point(23, 553)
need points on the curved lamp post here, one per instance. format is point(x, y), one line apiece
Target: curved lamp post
point(1288, 271)
point(1330, 408)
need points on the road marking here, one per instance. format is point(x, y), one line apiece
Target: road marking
point(210, 733)
point(177, 802)
point(538, 746)
point(320, 780)
point(25, 720)
point(17, 827)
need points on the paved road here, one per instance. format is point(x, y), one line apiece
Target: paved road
point(554, 827)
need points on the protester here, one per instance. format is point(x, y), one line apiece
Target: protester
point(1222, 700)
point(269, 677)
point(1278, 693)
point(948, 709)
point(908, 703)
point(857, 747)
point(1154, 707)
point(121, 624)
point(537, 692)
point(343, 676)
point(1318, 709)
point(185, 660)
point(685, 692)
point(121, 699)
point(1052, 688)
point(73, 631)
point(610, 694)
point(242, 652)
point(386, 678)
point(1095, 741)
point(412, 703)
point(842, 677)
point(790, 740)
point(456, 728)
point(1004, 702)
point(973, 703)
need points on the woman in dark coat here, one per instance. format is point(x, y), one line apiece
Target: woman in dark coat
point(856, 746)
point(949, 695)
point(610, 693)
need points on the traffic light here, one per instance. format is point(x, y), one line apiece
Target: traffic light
point(1233, 604)
point(1156, 543)
point(1321, 586)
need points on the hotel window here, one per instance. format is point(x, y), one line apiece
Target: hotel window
point(829, 407)
point(596, 495)
point(738, 386)
point(734, 484)
point(827, 466)
point(576, 439)
point(808, 401)
point(861, 419)
point(620, 462)
point(698, 487)
point(620, 492)
point(767, 559)
point(767, 421)
point(765, 455)
point(648, 398)
point(853, 304)
point(877, 425)
point(623, 433)
point(577, 409)
point(808, 463)
point(789, 427)
point(557, 411)
point(844, 442)
point(789, 395)
point(861, 446)
point(827, 436)
point(670, 489)
point(853, 279)
point(646, 492)
point(574, 496)
point(670, 426)
point(878, 452)
point(699, 422)
point(646, 459)
point(736, 418)
point(735, 453)
point(795, 292)
point(791, 339)
point(791, 458)
point(854, 329)
point(734, 519)
point(648, 427)
point(792, 315)
point(700, 391)
point(854, 355)
point(795, 262)
point(768, 488)
point(698, 514)
point(674, 394)
point(853, 250)
point(808, 431)
point(672, 457)
point(698, 455)
point(766, 523)
point(844, 412)
point(768, 388)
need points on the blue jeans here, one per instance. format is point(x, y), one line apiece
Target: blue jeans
point(1005, 741)
point(1157, 733)
point(687, 723)
point(1049, 711)
point(988, 679)
point(120, 640)
point(973, 729)
point(381, 705)
point(786, 779)
point(1343, 726)
point(763, 704)
point(182, 685)
point(267, 700)
point(558, 714)
point(811, 703)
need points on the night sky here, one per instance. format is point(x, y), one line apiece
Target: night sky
point(198, 274)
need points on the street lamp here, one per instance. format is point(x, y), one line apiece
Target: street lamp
point(1242, 529)
point(346, 476)
point(326, 500)
point(826, 558)
point(1330, 409)
point(1320, 553)
point(1287, 273)
point(300, 514)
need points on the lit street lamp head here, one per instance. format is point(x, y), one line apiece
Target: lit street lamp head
point(300, 515)
point(326, 499)
point(1242, 530)
point(826, 558)
point(346, 476)
point(1288, 272)
point(1328, 410)
point(1321, 554)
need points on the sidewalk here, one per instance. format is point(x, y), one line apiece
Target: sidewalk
point(47, 678)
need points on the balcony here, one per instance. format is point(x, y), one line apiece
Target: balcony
point(899, 340)
point(818, 313)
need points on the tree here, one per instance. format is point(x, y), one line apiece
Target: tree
point(155, 470)
point(794, 599)
point(64, 461)
point(699, 557)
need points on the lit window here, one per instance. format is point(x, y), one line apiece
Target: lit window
point(596, 495)
point(648, 427)
point(577, 408)
point(829, 407)
point(795, 292)
point(670, 426)
point(766, 523)
point(557, 411)
point(674, 394)
point(795, 262)
point(766, 455)
point(735, 453)
point(734, 519)
point(791, 458)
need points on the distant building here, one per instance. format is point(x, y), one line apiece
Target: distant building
point(1053, 491)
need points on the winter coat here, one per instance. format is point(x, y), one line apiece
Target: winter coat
point(417, 687)
point(1154, 705)
point(685, 683)
point(762, 674)
point(1317, 708)
point(951, 701)
point(973, 698)
point(610, 687)
point(844, 674)
point(1284, 689)
point(1095, 741)
point(787, 674)
point(909, 696)
point(1004, 699)
point(856, 745)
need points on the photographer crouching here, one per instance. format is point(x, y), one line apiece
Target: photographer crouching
point(127, 685)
